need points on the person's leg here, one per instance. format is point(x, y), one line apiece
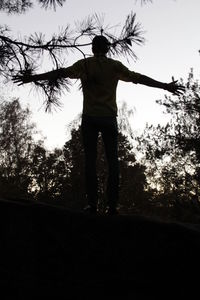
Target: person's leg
point(90, 136)
point(110, 139)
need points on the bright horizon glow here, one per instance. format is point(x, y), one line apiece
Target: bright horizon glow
point(171, 49)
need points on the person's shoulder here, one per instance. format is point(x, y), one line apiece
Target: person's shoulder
point(115, 63)
point(80, 64)
point(80, 61)
point(112, 60)
point(85, 60)
point(92, 59)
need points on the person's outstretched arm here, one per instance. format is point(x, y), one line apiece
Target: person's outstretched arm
point(51, 76)
point(172, 87)
point(71, 72)
point(130, 76)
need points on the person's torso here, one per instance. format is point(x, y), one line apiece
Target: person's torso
point(99, 83)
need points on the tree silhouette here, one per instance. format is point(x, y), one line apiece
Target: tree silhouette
point(29, 171)
point(16, 146)
point(172, 152)
point(49, 174)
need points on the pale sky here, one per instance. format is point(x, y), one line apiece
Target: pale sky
point(171, 49)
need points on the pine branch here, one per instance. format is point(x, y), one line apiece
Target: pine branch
point(52, 91)
point(131, 34)
point(51, 3)
point(22, 6)
point(26, 56)
point(15, 6)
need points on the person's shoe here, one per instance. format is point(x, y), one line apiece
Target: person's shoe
point(111, 211)
point(90, 209)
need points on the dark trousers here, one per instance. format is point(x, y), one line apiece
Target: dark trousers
point(91, 127)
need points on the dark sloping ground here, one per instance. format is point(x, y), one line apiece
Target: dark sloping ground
point(49, 251)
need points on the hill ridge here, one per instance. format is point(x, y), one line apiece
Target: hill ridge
point(48, 250)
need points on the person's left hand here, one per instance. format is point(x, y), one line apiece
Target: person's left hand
point(175, 88)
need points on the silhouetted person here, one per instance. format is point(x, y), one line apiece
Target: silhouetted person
point(99, 77)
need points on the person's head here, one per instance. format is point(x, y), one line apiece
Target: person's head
point(100, 45)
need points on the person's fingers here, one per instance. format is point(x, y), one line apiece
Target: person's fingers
point(18, 82)
point(18, 79)
point(174, 82)
point(178, 93)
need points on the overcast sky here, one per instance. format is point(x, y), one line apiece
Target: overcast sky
point(171, 49)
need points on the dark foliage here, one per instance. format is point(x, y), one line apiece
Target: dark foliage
point(16, 145)
point(172, 154)
point(165, 183)
point(21, 6)
point(28, 170)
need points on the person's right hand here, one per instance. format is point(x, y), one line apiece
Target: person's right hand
point(22, 79)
